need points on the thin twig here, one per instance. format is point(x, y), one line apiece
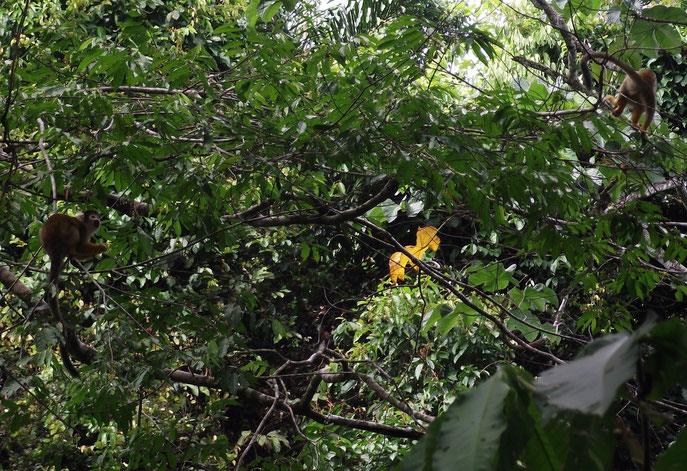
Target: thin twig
point(41, 146)
point(258, 430)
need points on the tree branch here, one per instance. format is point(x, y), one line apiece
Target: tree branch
point(327, 219)
point(250, 395)
point(147, 91)
point(571, 41)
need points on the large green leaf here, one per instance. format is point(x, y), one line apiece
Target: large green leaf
point(675, 457)
point(467, 436)
point(493, 278)
point(589, 383)
point(667, 363)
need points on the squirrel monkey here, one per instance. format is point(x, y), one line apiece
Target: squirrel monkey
point(638, 90)
point(62, 236)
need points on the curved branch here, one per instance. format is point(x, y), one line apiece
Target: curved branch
point(386, 395)
point(571, 41)
point(327, 219)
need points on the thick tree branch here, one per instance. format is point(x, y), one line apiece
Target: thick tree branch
point(653, 189)
point(571, 41)
point(118, 203)
point(572, 81)
point(388, 430)
point(338, 217)
point(19, 289)
point(387, 396)
point(148, 91)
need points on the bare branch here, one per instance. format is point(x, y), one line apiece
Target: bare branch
point(117, 202)
point(147, 91)
point(386, 395)
point(654, 188)
point(573, 82)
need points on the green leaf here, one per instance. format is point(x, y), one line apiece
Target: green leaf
point(650, 36)
point(662, 12)
point(530, 333)
point(376, 216)
point(434, 316)
point(270, 11)
point(479, 52)
point(539, 296)
point(675, 457)
point(589, 383)
point(583, 136)
point(18, 421)
point(85, 44)
point(145, 243)
point(305, 251)
point(523, 440)
point(252, 13)
point(289, 5)
point(467, 435)
point(494, 277)
point(445, 324)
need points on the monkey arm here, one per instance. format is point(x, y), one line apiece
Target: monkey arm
point(87, 250)
point(618, 103)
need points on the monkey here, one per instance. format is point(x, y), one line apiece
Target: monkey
point(638, 90)
point(62, 236)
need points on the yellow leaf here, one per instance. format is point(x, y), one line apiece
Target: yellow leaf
point(427, 238)
point(397, 265)
point(417, 251)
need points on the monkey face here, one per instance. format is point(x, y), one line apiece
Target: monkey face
point(92, 219)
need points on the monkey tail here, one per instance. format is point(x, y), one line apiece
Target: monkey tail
point(68, 333)
point(67, 361)
point(55, 269)
point(605, 57)
point(586, 74)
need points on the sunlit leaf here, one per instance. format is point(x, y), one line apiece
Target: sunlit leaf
point(426, 239)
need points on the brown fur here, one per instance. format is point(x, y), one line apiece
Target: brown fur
point(62, 236)
point(638, 90)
